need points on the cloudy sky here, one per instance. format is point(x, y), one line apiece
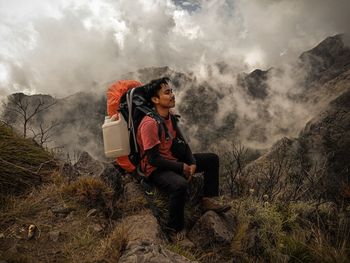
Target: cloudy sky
point(63, 46)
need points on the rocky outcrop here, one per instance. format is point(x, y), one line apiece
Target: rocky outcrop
point(143, 251)
point(137, 230)
point(255, 83)
point(326, 61)
point(86, 165)
point(67, 170)
point(213, 230)
point(113, 178)
point(326, 140)
point(313, 166)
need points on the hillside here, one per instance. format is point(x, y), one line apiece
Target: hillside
point(24, 164)
point(290, 195)
point(313, 166)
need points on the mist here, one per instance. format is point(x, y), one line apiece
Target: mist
point(61, 47)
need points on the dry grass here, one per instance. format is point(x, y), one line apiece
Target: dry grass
point(20, 209)
point(190, 254)
point(78, 241)
point(90, 192)
point(132, 206)
point(23, 164)
point(113, 247)
point(81, 242)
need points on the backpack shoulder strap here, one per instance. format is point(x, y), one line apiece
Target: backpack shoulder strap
point(175, 119)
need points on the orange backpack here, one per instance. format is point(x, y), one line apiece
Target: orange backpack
point(114, 95)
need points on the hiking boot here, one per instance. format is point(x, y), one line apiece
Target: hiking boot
point(181, 239)
point(210, 204)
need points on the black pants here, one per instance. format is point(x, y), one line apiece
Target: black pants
point(176, 185)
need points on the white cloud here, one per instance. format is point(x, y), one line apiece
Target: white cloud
point(67, 45)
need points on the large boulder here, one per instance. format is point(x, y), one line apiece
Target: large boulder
point(86, 165)
point(113, 178)
point(141, 251)
point(142, 226)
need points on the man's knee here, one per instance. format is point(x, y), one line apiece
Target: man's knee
point(213, 158)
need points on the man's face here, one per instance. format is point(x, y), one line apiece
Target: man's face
point(166, 98)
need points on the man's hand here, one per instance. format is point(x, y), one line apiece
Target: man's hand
point(193, 168)
point(187, 171)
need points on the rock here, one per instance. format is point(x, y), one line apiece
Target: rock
point(70, 216)
point(54, 235)
point(97, 227)
point(2, 235)
point(141, 251)
point(327, 60)
point(255, 83)
point(137, 230)
point(62, 210)
point(211, 229)
point(32, 229)
point(112, 177)
point(86, 165)
point(69, 171)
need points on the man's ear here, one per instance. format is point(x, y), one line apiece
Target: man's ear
point(155, 100)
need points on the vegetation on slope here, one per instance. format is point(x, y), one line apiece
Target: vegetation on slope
point(23, 164)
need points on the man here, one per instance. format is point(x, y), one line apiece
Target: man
point(164, 169)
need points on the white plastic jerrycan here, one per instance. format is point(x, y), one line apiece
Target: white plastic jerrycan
point(115, 137)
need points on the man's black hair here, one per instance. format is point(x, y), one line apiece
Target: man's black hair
point(154, 86)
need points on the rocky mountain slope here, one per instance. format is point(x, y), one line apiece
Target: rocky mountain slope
point(314, 165)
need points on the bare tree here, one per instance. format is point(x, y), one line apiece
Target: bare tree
point(273, 178)
point(44, 133)
point(19, 105)
point(233, 163)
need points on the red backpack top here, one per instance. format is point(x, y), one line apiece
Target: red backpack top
point(114, 95)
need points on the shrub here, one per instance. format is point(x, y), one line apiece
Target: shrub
point(91, 192)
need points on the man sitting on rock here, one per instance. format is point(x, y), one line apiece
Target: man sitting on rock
point(164, 170)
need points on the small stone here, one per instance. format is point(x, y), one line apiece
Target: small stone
point(62, 210)
point(54, 235)
point(265, 197)
point(97, 228)
point(70, 216)
point(31, 231)
point(2, 235)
